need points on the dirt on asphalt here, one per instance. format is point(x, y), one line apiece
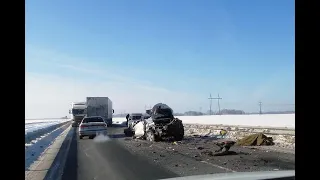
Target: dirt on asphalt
point(195, 155)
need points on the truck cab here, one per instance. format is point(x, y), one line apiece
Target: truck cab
point(78, 111)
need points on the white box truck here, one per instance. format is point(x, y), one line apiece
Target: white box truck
point(100, 106)
point(77, 112)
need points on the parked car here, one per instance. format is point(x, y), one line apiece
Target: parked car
point(92, 126)
point(134, 118)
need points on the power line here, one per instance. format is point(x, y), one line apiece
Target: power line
point(218, 98)
point(260, 104)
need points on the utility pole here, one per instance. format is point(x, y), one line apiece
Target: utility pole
point(210, 103)
point(218, 98)
point(219, 103)
point(260, 104)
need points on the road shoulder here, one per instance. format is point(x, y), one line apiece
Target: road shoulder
point(43, 165)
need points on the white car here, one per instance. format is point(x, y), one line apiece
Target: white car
point(134, 118)
point(92, 126)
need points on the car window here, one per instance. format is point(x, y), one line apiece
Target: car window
point(136, 117)
point(96, 119)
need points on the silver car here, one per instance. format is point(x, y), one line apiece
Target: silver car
point(134, 118)
point(92, 126)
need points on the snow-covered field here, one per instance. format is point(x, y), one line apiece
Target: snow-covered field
point(39, 134)
point(265, 120)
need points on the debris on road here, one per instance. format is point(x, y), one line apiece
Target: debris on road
point(224, 146)
point(258, 139)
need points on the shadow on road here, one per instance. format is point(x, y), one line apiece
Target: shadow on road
point(115, 136)
point(71, 165)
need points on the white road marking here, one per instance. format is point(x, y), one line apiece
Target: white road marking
point(217, 166)
point(205, 162)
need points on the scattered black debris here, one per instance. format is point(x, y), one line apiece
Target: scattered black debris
point(225, 153)
point(244, 153)
point(209, 153)
point(200, 148)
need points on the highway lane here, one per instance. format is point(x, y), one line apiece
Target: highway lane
point(91, 160)
point(125, 158)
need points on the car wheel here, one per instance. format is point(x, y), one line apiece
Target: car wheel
point(150, 136)
point(80, 137)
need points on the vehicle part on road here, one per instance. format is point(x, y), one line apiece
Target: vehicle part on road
point(224, 146)
point(258, 139)
point(150, 136)
point(128, 132)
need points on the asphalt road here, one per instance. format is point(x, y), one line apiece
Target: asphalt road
point(126, 158)
point(93, 160)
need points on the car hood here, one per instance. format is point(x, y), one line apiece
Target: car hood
point(240, 176)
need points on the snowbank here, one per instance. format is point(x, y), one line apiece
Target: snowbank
point(37, 128)
point(37, 146)
point(33, 125)
point(265, 120)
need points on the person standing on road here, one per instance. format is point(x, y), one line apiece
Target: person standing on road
point(127, 117)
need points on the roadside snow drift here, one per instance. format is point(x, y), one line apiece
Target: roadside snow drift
point(37, 146)
point(37, 128)
point(265, 120)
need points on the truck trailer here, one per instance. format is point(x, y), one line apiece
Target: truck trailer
point(100, 106)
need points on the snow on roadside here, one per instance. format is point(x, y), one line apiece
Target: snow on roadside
point(33, 125)
point(37, 146)
point(40, 129)
point(265, 120)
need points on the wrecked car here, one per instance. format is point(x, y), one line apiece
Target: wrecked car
point(161, 124)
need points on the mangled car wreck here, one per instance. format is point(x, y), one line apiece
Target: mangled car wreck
point(161, 124)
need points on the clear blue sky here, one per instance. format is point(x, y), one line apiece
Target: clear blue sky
point(194, 46)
